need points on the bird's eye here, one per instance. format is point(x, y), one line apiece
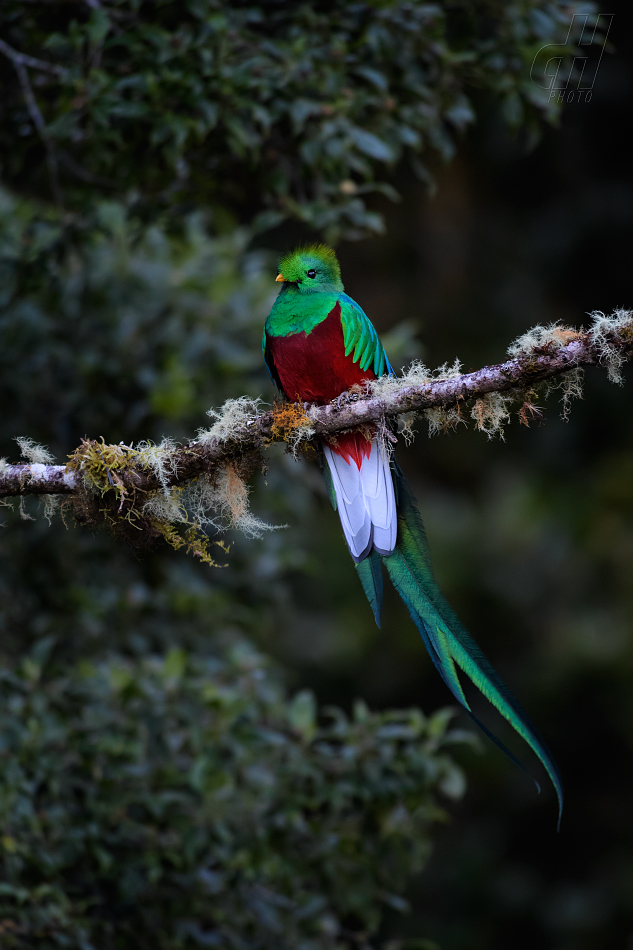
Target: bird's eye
point(311, 273)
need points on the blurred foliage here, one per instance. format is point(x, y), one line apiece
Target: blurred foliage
point(262, 111)
point(175, 803)
point(130, 334)
point(153, 327)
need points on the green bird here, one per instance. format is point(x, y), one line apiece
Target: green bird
point(317, 344)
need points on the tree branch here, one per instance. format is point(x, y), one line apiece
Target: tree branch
point(543, 354)
point(20, 62)
point(23, 59)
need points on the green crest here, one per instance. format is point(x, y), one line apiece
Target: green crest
point(312, 269)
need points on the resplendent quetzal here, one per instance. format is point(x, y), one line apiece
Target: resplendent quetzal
point(317, 344)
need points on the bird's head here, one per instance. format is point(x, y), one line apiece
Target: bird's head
point(312, 269)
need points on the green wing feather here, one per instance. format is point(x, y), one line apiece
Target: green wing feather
point(370, 573)
point(329, 484)
point(361, 339)
point(448, 643)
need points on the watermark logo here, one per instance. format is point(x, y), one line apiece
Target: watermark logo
point(572, 81)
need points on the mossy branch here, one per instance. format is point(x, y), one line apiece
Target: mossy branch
point(145, 489)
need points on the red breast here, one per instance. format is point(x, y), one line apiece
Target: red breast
point(312, 367)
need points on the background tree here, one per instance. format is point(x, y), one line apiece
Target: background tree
point(136, 273)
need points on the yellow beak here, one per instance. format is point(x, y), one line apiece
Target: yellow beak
point(280, 277)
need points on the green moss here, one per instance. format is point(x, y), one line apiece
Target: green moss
point(99, 464)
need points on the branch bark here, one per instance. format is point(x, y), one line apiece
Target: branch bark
point(565, 352)
point(20, 62)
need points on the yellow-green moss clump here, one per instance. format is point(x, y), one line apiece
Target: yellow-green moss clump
point(179, 514)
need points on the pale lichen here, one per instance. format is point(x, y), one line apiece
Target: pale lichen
point(4, 502)
point(229, 496)
point(160, 459)
point(539, 338)
point(51, 504)
point(166, 505)
point(231, 421)
point(24, 515)
point(448, 371)
point(571, 386)
point(443, 420)
point(604, 334)
point(33, 452)
point(491, 413)
point(417, 374)
point(405, 423)
point(440, 419)
point(217, 502)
